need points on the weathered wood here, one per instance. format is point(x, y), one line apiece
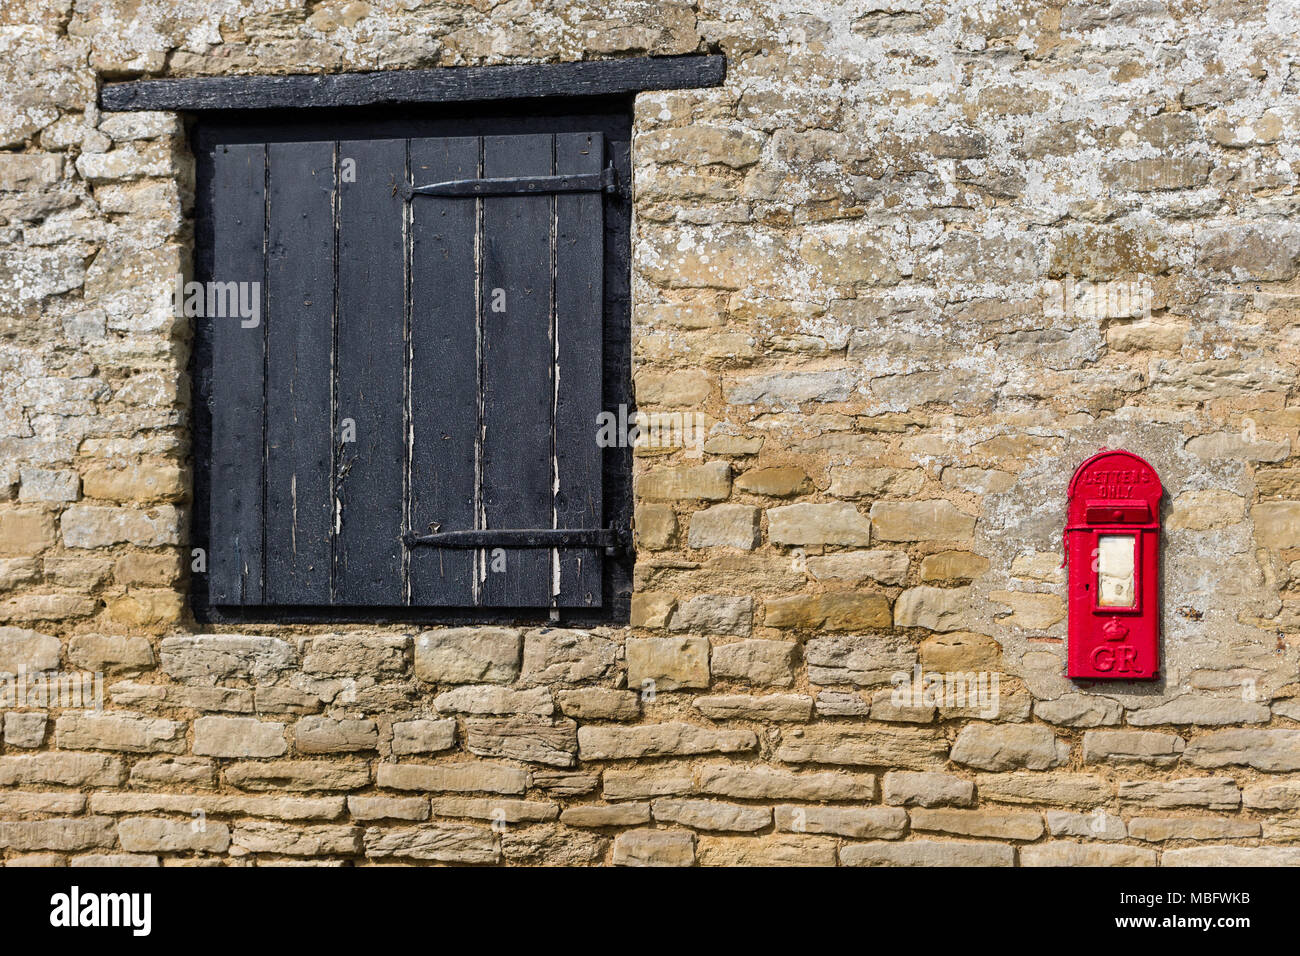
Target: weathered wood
point(522, 538)
point(616, 368)
point(236, 403)
point(438, 383)
point(448, 85)
point(520, 185)
point(444, 372)
point(518, 474)
point(579, 298)
point(370, 401)
point(300, 339)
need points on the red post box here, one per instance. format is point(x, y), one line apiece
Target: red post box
point(1112, 551)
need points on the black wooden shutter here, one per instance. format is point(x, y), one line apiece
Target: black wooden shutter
point(238, 393)
point(427, 364)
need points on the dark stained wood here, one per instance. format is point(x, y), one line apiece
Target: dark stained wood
point(610, 116)
point(579, 298)
point(616, 368)
point(517, 186)
point(521, 538)
point(370, 392)
point(300, 339)
point(447, 85)
point(235, 505)
point(518, 474)
point(444, 384)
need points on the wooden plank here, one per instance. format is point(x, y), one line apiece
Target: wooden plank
point(617, 373)
point(517, 474)
point(444, 385)
point(447, 85)
point(579, 303)
point(370, 419)
point(300, 338)
point(238, 216)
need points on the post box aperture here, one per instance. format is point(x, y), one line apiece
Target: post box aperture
point(1116, 569)
point(1112, 553)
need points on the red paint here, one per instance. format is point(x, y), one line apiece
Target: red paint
point(1114, 615)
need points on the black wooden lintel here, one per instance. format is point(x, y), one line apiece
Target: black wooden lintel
point(446, 85)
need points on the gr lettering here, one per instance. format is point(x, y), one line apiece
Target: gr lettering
point(1116, 658)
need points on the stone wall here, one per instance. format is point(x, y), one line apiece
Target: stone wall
point(914, 262)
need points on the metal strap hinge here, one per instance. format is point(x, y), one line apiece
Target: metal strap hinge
point(605, 181)
point(611, 539)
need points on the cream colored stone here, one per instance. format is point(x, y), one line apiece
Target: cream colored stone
point(708, 482)
point(994, 824)
point(818, 524)
point(1045, 566)
point(25, 531)
point(782, 482)
point(1235, 445)
point(147, 568)
point(668, 663)
point(679, 389)
point(759, 662)
point(833, 611)
point(655, 848)
point(657, 740)
point(936, 609)
point(651, 609)
point(1206, 510)
point(701, 145)
point(960, 651)
point(907, 788)
point(775, 707)
point(656, 526)
point(96, 526)
point(855, 483)
point(142, 482)
point(953, 566)
point(781, 850)
point(920, 521)
point(886, 567)
point(1277, 524)
point(1066, 853)
point(1032, 611)
point(1132, 746)
point(111, 654)
point(725, 526)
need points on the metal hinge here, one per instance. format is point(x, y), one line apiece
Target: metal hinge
point(611, 539)
point(605, 181)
